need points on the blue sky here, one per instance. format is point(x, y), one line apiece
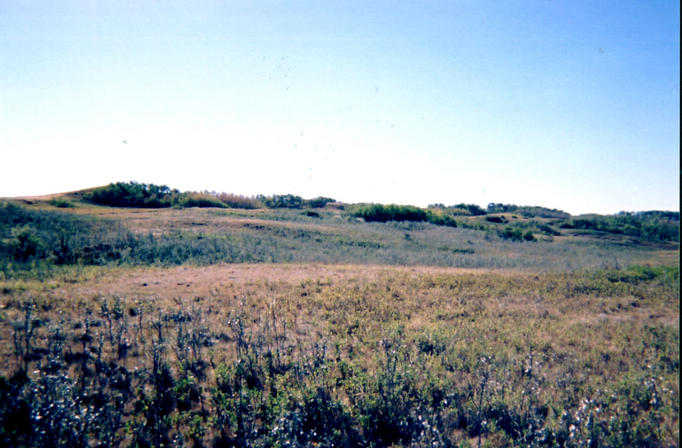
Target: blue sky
point(571, 105)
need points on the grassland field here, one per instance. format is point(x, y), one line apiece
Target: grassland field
point(282, 327)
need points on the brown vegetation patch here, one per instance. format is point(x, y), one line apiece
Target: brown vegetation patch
point(191, 281)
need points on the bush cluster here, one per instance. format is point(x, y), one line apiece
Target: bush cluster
point(516, 234)
point(133, 194)
point(392, 212)
point(527, 211)
point(663, 226)
point(293, 201)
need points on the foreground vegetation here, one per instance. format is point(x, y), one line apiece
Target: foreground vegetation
point(122, 325)
point(397, 359)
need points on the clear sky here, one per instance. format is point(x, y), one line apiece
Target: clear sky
point(565, 104)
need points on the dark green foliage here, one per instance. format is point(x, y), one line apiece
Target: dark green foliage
point(511, 233)
point(318, 202)
point(293, 201)
point(516, 233)
point(25, 244)
point(61, 203)
point(441, 218)
point(133, 194)
point(473, 209)
point(496, 219)
point(281, 201)
point(385, 213)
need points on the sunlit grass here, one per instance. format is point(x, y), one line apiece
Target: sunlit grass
point(519, 358)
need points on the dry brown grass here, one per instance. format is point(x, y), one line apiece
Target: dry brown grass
point(584, 332)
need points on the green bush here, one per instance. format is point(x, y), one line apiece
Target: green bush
point(61, 203)
point(547, 230)
point(496, 219)
point(312, 214)
point(473, 209)
point(512, 233)
point(441, 218)
point(281, 201)
point(25, 244)
point(133, 194)
point(318, 202)
point(385, 213)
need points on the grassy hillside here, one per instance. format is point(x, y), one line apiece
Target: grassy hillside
point(161, 226)
point(280, 321)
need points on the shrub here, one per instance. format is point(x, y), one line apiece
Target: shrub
point(547, 230)
point(473, 209)
point(440, 218)
point(496, 219)
point(61, 203)
point(25, 244)
point(511, 233)
point(385, 213)
point(133, 194)
point(318, 202)
point(281, 201)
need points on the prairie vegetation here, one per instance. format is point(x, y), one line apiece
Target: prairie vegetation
point(386, 213)
point(393, 358)
point(294, 323)
point(134, 194)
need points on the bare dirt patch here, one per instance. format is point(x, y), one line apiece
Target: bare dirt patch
point(191, 281)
